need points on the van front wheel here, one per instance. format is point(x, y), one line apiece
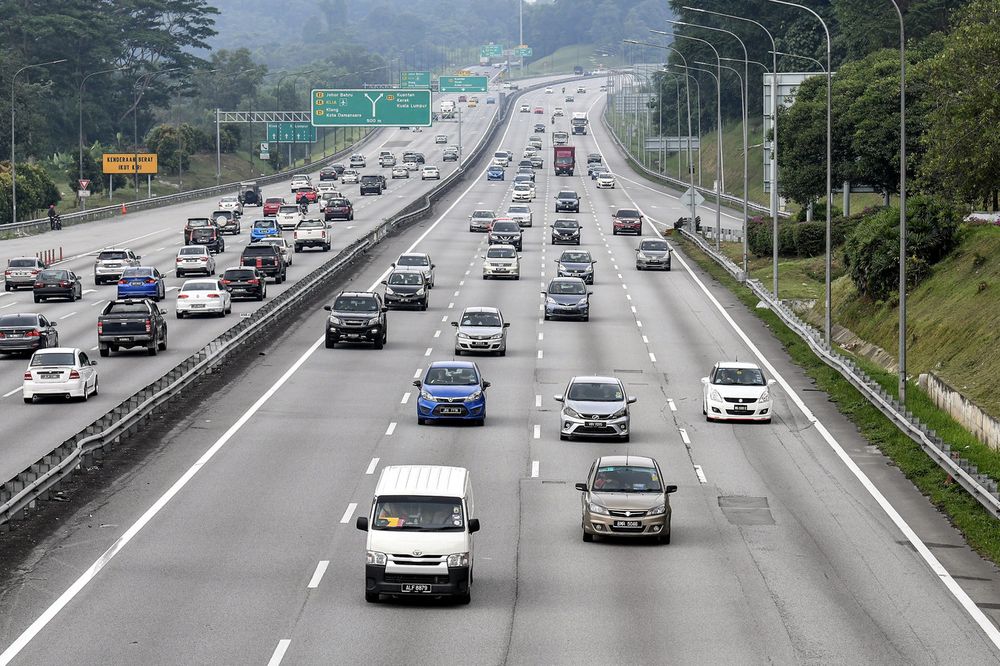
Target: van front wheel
point(371, 597)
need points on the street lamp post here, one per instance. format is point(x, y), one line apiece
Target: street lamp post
point(13, 164)
point(743, 103)
point(83, 200)
point(828, 318)
point(149, 76)
point(902, 204)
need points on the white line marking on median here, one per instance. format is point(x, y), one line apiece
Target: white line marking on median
point(429, 351)
point(538, 401)
point(700, 473)
point(540, 353)
point(10, 393)
point(391, 429)
point(541, 336)
point(279, 652)
point(670, 401)
point(638, 323)
point(684, 435)
point(372, 465)
point(634, 311)
point(351, 508)
point(406, 398)
point(444, 318)
point(534, 469)
point(451, 306)
point(437, 334)
point(652, 357)
point(67, 316)
point(645, 340)
point(318, 574)
point(9, 305)
point(537, 432)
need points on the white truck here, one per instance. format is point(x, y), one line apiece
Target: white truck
point(447, 108)
point(579, 122)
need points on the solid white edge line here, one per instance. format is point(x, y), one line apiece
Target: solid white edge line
point(372, 466)
point(318, 574)
point(10, 393)
point(279, 652)
point(349, 513)
point(28, 634)
point(960, 595)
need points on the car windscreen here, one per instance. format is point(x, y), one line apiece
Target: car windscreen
point(419, 513)
point(518, 209)
point(288, 209)
point(370, 179)
point(229, 200)
point(501, 253)
point(53, 358)
point(491, 319)
point(595, 392)
point(136, 272)
point(105, 256)
point(238, 274)
point(405, 278)
point(22, 263)
point(576, 257)
point(556, 287)
point(256, 249)
point(202, 234)
point(127, 308)
point(412, 260)
point(311, 224)
point(18, 320)
point(506, 227)
point(200, 286)
point(193, 251)
point(445, 376)
point(338, 203)
point(53, 275)
point(654, 246)
point(739, 377)
point(355, 304)
point(565, 194)
point(566, 224)
point(274, 200)
point(263, 224)
point(483, 213)
point(627, 479)
point(627, 213)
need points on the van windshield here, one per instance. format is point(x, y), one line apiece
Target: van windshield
point(419, 513)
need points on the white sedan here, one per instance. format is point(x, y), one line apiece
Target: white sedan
point(230, 203)
point(523, 191)
point(736, 391)
point(430, 173)
point(203, 296)
point(411, 165)
point(350, 176)
point(605, 180)
point(59, 371)
point(400, 171)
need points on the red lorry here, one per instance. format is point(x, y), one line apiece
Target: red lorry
point(564, 160)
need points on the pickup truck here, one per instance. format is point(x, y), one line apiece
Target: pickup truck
point(312, 233)
point(266, 259)
point(131, 323)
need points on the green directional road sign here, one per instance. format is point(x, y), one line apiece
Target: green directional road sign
point(415, 80)
point(291, 132)
point(371, 108)
point(491, 51)
point(461, 84)
point(523, 51)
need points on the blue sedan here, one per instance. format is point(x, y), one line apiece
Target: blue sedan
point(452, 390)
point(264, 228)
point(495, 173)
point(141, 282)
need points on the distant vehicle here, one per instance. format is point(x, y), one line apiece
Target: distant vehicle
point(209, 236)
point(480, 220)
point(578, 123)
point(441, 138)
point(447, 108)
point(520, 214)
point(578, 70)
point(417, 261)
point(350, 176)
point(430, 173)
point(652, 253)
point(249, 194)
point(595, 407)
point(267, 259)
point(525, 108)
point(539, 128)
point(328, 173)
point(227, 221)
point(57, 283)
point(131, 323)
point(576, 263)
point(244, 282)
point(539, 110)
point(358, 161)
point(462, 99)
point(21, 272)
point(548, 91)
point(288, 216)
point(606, 180)
point(491, 100)
point(495, 172)
point(386, 160)
point(282, 244)
point(372, 184)
point(26, 332)
point(559, 112)
point(560, 138)
point(565, 231)
point(203, 296)
point(505, 232)
point(449, 156)
point(481, 330)
point(567, 297)
point(564, 160)
point(272, 204)
point(142, 282)
point(567, 201)
point(264, 228)
point(311, 233)
point(400, 171)
point(194, 259)
point(59, 371)
point(627, 220)
point(501, 157)
point(230, 203)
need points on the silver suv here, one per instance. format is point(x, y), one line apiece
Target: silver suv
point(595, 407)
point(112, 262)
point(481, 329)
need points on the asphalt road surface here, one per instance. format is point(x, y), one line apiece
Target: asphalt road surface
point(235, 543)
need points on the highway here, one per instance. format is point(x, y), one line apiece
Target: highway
point(234, 541)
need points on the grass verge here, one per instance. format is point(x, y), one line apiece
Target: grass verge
point(980, 529)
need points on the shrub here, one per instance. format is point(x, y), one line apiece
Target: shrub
point(819, 212)
point(786, 239)
point(810, 238)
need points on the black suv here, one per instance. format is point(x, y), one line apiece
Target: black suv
point(567, 201)
point(357, 316)
point(245, 282)
point(372, 184)
point(506, 232)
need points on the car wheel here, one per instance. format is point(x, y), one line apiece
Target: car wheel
point(372, 597)
point(664, 537)
point(668, 268)
point(28, 401)
point(162, 344)
point(180, 274)
point(86, 393)
point(180, 315)
point(421, 421)
point(229, 308)
point(72, 295)
point(151, 351)
point(104, 351)
point(7, 287)
point(95, 386)
point(588, 538)
point(298, 248)
point(261, 295)
point(614, 232)
point(380, 343)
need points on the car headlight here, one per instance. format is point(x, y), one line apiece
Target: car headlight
point(458, 560)
point(373, 321)
point(498, 336)
point(463, 336)
point(620, 413)
point(582, 301)
point(336, 321)
point(424, 395)
point(658, 510)
point(765, 396)
point(487, 266)
point(390, 291)
point(550, 301)
point(593, 507)
point(572, 413)
point(376, 558)
point(714, 395)
point(476, 395)
point(421, 292)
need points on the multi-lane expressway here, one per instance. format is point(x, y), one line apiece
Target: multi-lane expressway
point(234, 541)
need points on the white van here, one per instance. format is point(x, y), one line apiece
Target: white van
point(420, 529)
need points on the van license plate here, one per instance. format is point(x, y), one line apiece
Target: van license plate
point(412, 587)
point(628, 524)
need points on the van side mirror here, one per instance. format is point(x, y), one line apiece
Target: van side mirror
point(473, 525)
point(384, 282)
point(581, 487)
point(455, 324)
point(362, 523)
point(671, 489)
point(506, 324)
point(704, 380)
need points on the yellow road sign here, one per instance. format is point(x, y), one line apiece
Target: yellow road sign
point(120, 163)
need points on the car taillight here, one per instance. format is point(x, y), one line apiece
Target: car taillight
point(295, 235)
point(226, 281)
point(6, 273)
point(212, 295)
point(260, 262)
point(182, 295)
point(63, 283)
point(73, 374)
point(150, 280)
point(253, 281)
point(149, 325)
point(32, 334)
point(27, 376)
point(100, 327)
point(123, 281)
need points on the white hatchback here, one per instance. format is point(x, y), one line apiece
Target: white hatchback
point(59, 371)
point(737, 391)
point(523, 192)
point(203, 296)
point(288, 216)
point(605, 180)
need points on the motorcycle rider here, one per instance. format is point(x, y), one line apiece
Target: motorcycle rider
point(304, 202)
point(54, 221)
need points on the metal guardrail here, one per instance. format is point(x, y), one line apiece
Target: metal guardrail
point(39, 225)
point(728, 199)
point(983, 488)
point(39, 479)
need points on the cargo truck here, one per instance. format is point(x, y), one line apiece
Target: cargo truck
point(448, 108)
point(579, 122)
point(564, 160)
